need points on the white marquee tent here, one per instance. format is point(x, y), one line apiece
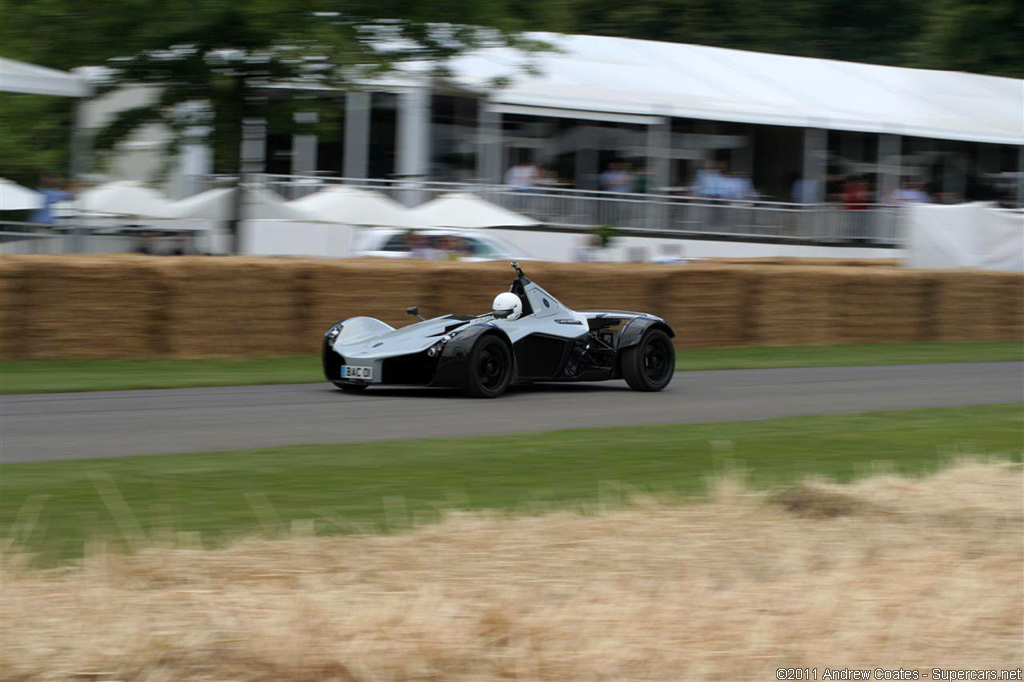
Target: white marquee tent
point(30, 79)
point(124, 198)
point(638, 80)
point(352, 206)
point(14, 197)
point(464, 210)
point(216, 204)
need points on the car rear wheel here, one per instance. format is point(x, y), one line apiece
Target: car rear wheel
point(490, 368)
point(649, 365)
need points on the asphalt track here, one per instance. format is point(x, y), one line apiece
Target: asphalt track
point(113, 423)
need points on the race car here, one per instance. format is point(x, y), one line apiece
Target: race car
point(528, 336)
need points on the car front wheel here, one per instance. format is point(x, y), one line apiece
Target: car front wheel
point(490, 368)
point(649, 365)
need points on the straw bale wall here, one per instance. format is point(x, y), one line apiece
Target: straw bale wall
point(137, 306)
point(713, 304)
point(975, 306)
point(887, 306)
point(77, 308)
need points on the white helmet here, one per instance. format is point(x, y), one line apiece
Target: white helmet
point(507, 306)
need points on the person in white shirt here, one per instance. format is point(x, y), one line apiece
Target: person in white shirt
point(522, 176)
point(911, 193)
point(709, 181)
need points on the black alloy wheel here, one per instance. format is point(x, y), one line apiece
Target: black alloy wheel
point(649, 365)
point(490, 368)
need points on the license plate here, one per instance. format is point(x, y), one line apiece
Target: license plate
point(356, 372)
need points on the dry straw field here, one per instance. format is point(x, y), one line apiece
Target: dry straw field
point(887, 572)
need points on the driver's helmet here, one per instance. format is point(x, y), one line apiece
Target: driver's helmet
point(507, 306)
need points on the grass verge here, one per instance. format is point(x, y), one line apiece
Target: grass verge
point(49, 376)
point(55, 507)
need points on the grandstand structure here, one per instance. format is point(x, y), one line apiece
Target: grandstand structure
point(666, 111)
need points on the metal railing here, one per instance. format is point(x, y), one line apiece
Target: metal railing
point(656, 213)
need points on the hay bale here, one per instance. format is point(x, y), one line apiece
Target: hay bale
point(232, 306)
point(1007, 306)
point(705, 305)
point(370, 287)
point(960, 302)
point(812, 262)
point(790, 306)
point(599, 286)
point(89, 306)
point(469, 288)
point(14, 307)
point(879, 305)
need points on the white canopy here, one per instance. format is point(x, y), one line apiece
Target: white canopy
point(352, 206)
point(216, 205)
point(18, 76)
point(124, 198)
point(466, 210)
point(14, 197)
point(637, 80)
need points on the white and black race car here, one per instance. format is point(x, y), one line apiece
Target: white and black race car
point(528, 336)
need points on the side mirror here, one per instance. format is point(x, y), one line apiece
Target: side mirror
point(414, 310)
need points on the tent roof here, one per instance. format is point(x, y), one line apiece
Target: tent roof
point(14, 197)
point(353, 206)
point(467, 211)
point(216, 205)
point(641, 78)
point(18, 76)
point(124, 198)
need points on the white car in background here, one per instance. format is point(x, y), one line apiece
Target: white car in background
point(437, 244)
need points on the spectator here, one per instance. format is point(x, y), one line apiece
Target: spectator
point(642, 180)
point(49, 187)
point(418, 246)
point(737, 186)
point(148, 243)
point(805, 190)
point(912, 192)
point(617, 178)
point(856, 196)
point(522, 176)
point(546, 178)
point(710, 180)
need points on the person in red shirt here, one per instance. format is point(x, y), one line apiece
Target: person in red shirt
point(856, 195)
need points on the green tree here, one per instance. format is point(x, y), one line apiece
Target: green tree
point(34, 136)
point(986, 36)
point(215, 65)
point(213, 62)
point(871, 30)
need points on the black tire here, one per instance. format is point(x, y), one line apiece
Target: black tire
point(490, 368)
point(352, 388)
point(649, 365)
